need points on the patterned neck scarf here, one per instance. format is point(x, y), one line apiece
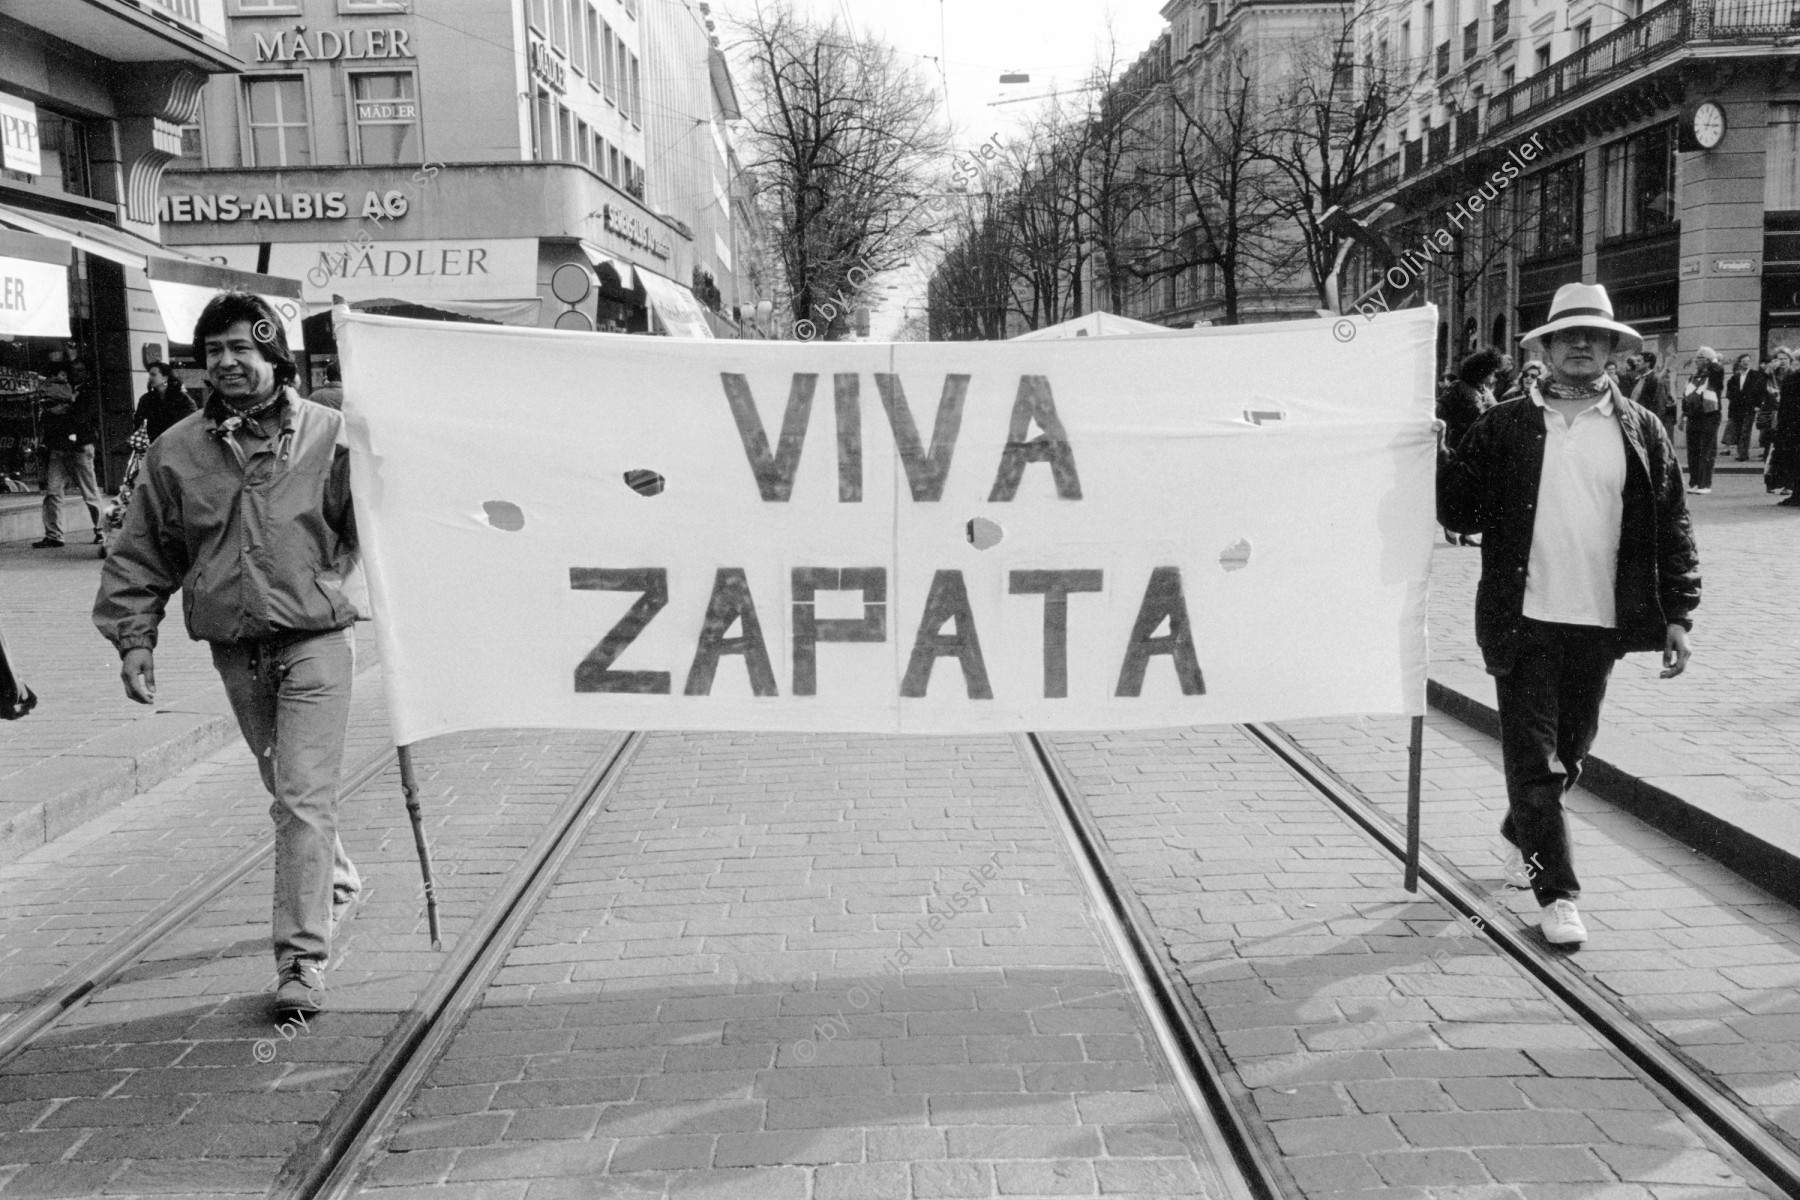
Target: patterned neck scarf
point(1563, 391)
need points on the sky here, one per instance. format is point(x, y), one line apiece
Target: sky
point(966, 45)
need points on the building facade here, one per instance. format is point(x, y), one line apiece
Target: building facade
point(93, 97)
point(1653, 148)
point(488, 160)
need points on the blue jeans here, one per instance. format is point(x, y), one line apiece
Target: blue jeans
point(292, 700)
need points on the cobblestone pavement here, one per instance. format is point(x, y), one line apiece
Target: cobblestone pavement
point(175, 1080)
point(1390, 1051)
point(46, 598)
point(1738, 704)
point(806, 967)
point(1711, 962)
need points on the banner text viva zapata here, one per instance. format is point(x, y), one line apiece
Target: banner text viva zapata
point(947, 627)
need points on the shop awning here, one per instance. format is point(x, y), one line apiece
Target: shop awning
point(626, 273)
point(181, 283)
point(34, 285)
point(681, 314)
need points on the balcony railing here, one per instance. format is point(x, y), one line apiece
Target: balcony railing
point(1437, 144)
point(1748, 18)
point(1468, 128)
point(1415, 156)
point(1625, 48)
point(1383, 174)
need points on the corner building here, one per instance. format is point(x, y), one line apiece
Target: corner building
point(1653, 148)
point(484, 160)
point(94, 95)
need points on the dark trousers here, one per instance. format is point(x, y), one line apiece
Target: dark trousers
point(1549, 714)
point(1737, 436)
point(1702, 448)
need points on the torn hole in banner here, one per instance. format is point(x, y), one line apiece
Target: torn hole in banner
point(504, 515)
point(645, 482)
point(1265, 412)
point(1236, 556)
point(985, 534)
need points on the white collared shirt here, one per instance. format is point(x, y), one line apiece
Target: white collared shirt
point(1580, 508)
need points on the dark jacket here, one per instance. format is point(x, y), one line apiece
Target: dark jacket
point(1743, 402)
point(161, 410)
point(68, 425)
point(1489, 485)
point(1653, 394)
point(1458, 406)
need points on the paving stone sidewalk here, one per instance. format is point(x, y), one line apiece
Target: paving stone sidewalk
point(86, 748)
point(175, 1079)
point(810, 968)
point(1387, 1050)
point(1709, 961)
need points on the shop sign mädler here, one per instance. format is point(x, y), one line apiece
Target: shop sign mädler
point(34, 298)
point(279, 206)
point(330, 44)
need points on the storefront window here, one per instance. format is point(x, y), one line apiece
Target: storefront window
point(1781, 158)
point(279, 136)
point(66, 139)
point(387, 117)
point(1638, 181)
point(1555, 196)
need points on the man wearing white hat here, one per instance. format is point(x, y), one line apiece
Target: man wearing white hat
point(1587, 554)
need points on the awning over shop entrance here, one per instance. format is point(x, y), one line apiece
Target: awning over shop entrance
point(182, 289)
point(180, 282)
point(681, 314)
point(622, 270)
point(34, 285)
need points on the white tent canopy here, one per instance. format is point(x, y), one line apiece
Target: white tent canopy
point(1094, 324)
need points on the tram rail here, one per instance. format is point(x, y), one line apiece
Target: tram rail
point(1748, 1132)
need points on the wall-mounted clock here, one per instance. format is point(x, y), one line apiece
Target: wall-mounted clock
point(1702, 126)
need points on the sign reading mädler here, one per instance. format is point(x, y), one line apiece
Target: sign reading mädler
point(925, 537)
point(492, 269)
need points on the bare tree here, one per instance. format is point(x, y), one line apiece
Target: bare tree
point(970, 293)
point(1326, 125)
point(843, 139)
point(1218, 180)
point(1112, 193)
point(1042, 211)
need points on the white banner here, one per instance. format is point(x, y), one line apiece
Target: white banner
point(34, 298)
point(1101, 533)
point(180, 306)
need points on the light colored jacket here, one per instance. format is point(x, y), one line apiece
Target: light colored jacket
point(258, 533)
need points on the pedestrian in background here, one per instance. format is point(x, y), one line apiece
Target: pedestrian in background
point(1506, 378)
point(1700, 410)
point(70, 428)
point(1530, 376)
point(163, 403)
point(1587, 553)
point(247, 510)
point(1460, 405)
point(1783, 471)
point(1746, 391)
point(1653, 394)
point(332, 394)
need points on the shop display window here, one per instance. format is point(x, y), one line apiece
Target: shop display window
point(1555, 197)
point(1638, 181)
point(280, 134)
point(1781, 158)
point(385, 111)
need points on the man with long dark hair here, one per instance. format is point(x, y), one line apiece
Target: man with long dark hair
point(247, 511)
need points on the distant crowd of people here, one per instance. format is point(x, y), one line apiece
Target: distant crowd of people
point(1751, 406)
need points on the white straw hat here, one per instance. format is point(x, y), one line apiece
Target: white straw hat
point(1582, 306)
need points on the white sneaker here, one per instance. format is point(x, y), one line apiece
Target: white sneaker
point(1702, 491)
point(1517, 873)
point(1562, 924)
